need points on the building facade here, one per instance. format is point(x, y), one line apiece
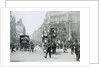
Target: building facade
point(66, 22)
point(16, 29)
point(12, 29)
point(20, 28)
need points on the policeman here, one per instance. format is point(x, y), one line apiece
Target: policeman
point(77, 50)
point(48, 50)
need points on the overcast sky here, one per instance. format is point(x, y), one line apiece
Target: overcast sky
point(32, 20)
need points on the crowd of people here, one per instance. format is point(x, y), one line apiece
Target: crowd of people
point(15, 48)
point(74, 46)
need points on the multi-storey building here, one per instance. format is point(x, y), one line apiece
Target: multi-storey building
point(66, 22)
point(20, 28)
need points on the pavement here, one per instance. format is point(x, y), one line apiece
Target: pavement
point(38, 56)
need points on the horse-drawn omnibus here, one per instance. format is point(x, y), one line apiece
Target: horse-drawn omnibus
point(49, 36)
point(24, 42)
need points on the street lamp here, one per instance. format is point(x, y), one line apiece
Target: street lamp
point(69, 26)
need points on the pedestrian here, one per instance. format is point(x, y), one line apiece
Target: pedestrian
point(64, 47)
point(32, 46)
point(48, 50)
point(55, 47)
point(77, 50)
point(59, 43)
point(12, 49)
point(17, 47)
point(72, 47)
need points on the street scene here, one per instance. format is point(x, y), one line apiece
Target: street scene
point(45, 36)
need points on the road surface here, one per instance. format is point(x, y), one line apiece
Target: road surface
point(38, 56)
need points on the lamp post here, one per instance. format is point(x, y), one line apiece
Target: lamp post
point(69, 26)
